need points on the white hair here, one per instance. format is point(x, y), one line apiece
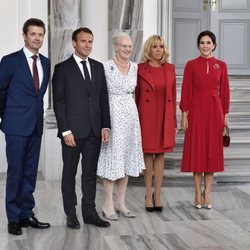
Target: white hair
point(117, 35)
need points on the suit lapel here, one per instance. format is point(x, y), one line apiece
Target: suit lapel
point(27, 73)
point(45, 67)
point(75, 71)
point(93, 75)
point(26, 69)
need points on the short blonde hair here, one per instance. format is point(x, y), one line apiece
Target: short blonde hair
point(146, 56)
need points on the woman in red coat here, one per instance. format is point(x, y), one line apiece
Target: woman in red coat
point(156, 102)
point(204, 105)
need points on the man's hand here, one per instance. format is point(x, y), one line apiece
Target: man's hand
point(105, 135)
point(69, 140)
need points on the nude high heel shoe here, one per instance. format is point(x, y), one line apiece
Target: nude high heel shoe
point(207, 206)
point(198, 205)
point(109, 216)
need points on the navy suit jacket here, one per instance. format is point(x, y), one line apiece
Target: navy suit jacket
point(77, 106)
point(21, 109)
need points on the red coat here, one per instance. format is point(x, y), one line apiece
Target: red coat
point(146, 102)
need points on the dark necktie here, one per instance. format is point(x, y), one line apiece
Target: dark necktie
point(35, 73)
point(85, 70)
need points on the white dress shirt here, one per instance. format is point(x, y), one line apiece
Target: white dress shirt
point(78, 61)
point(29, 55)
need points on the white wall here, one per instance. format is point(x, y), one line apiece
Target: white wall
point(9, 26)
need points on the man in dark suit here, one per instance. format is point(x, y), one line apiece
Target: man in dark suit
point(24, 77)
point(82, 111)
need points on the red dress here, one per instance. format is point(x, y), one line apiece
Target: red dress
point(156, 101)
point(205, 97)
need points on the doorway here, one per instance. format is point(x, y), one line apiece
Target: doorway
point(228, 19)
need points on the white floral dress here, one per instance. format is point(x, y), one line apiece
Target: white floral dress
point(122, 155)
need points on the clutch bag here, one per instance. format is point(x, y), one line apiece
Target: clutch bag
point(226, 137)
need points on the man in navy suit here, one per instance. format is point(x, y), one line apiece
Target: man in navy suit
point(81, 107)
point(24, 77)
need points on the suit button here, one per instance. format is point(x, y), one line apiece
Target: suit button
point(90, 98)
point(169, 100)
point(147, 100)
point(147, 90)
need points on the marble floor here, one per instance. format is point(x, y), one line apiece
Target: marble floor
point(178, 226)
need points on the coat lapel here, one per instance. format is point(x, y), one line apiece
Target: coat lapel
point(169, 80)
point(145, 73)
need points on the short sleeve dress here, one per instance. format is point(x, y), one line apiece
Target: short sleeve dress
point(122, 155)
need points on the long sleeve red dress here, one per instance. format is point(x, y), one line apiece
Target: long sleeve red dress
point(205, 97)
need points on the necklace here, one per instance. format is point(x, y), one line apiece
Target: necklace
point(121, 65)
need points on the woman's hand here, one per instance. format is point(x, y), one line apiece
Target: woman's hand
point(226, 120)
point(184, 122)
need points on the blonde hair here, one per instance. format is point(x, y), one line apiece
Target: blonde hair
point(146, 55)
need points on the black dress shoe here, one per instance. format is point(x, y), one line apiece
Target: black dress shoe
point(96, 220)
point(14, 228)
point(72, 222)
point(33, 222)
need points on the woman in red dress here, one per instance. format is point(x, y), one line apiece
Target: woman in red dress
point(204, 104)
point(156, 101)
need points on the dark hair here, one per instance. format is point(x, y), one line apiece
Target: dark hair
point(82, 29)
point(207, 33)
point(33, 22)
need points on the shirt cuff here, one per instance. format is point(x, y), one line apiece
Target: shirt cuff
point(66, 132)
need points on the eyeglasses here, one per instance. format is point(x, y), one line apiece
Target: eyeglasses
point(126, 46)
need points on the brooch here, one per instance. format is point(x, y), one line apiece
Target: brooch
point(216, 66)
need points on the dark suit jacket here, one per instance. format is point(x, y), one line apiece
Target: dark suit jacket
point(21, 109)
point(77, 107)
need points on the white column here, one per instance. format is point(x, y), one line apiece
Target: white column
point(95, 16)
point(149, 18)
point(164, 21)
